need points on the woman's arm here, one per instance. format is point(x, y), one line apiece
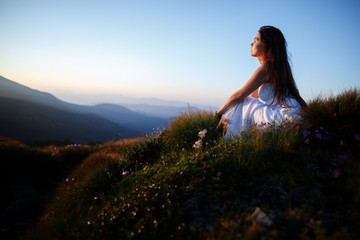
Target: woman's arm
point(255, 94)
point(255, 81)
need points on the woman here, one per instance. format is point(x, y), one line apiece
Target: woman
point(270, 96)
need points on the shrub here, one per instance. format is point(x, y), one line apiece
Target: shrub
point(183, 130)
point(338, 116)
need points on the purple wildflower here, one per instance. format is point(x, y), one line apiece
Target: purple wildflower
point(343, 157)
point(67, 179)
point(306, 133)
point(336, 173)
point(73, 145)
point(357, 137)
point(206, 143)
point(342, 142)
point(318, 135)
point(307, 141)
point(326, 138)
point(96, 198)
point(162, 157)
point(262, 124)
point(183, 149)
point(125, 173)
point(214, 142)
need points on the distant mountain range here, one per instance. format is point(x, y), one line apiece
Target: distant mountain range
point(30, 115)
point(147, 106)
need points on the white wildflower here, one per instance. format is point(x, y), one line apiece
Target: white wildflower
point(197, 144)
point(202, 133)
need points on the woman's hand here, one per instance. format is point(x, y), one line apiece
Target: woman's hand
point(217, 115)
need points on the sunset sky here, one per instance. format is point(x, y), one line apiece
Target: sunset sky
point(194, 51)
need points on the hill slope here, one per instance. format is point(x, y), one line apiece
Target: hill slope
point(33, 103)
point(13, 90)
point(295, 181)
point(29, 121)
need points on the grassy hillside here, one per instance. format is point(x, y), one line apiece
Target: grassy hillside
point(296, 181)
point(28, 178)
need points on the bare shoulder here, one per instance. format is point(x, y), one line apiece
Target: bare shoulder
point(261, 70)
point(259, 74)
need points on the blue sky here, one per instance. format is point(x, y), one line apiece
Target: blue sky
point(191, 51)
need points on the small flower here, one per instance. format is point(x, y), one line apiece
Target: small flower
point(357, 137)
point(73, 145)
point(336, 173)
point(124, 173)
point(96, 198)
point(307, 141)
point(306, 133)
point(214, 142)
point(162, 157)
point(72, 179)
point(67, 179)
point(262, 124)
point(183, 149)
point(197, 144)
point(326, 138)
point(342, 142)
point(318, 135)
point(343, 157)
point(206, 143)
point(202, 133)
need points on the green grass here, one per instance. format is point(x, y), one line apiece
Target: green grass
point(305, 177)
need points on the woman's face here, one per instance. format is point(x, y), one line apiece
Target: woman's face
point(256, 46)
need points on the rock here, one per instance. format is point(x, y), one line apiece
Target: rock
point(259, 217)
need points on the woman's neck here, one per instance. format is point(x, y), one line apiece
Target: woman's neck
point(261, 60)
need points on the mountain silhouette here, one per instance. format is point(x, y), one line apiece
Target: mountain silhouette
point(31, 115)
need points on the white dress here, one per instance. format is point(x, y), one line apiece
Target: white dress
point(259, 112)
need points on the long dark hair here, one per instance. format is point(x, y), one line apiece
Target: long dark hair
point(278, 69)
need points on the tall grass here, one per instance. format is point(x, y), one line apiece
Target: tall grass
point(303, 178)
point(338, 116)
point(183, 130)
